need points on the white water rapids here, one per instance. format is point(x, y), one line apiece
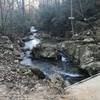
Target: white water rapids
point(32, 43)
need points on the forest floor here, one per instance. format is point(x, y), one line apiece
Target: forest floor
point(17, 82)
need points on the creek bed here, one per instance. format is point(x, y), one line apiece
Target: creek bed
point(50, 66)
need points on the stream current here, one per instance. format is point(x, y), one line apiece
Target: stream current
point(63, 67)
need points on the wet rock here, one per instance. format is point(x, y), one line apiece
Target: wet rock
point(92, 68)
point(49, 53)
point(81, 52)
point(4, 39)
point(57, 80)
point(89, 59)
point(86, 55)
point(70, 47)
point(88, 40)
point(45, 50)
point(38, 73)
point(50, 50)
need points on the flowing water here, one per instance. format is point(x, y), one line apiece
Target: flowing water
point(62, 67)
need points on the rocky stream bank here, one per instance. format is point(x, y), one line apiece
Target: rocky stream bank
point(83, 50)
point(21, 82)
point(18, 82)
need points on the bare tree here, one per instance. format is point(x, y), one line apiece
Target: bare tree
point(1, 14)
point(23, 7)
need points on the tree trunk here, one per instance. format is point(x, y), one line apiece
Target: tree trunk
point(2, 17)
point(23, 7)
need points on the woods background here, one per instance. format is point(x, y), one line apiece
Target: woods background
point(16, 16)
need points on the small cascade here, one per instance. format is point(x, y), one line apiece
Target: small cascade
point(64, 57)
point(66, 63)
point(33, 42)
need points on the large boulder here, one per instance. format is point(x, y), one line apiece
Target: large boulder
point(90, 58)
point(57, 80)
point(85, 55)
point(50, 50)
point(70, 48)
point(92, 67)
point(84, 52)
point(46, 50)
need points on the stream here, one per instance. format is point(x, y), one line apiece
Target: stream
point(63, 67)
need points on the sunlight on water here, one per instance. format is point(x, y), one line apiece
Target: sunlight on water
point(27, 61)
point(69, 74)
point(32, 43)
point(63, 59)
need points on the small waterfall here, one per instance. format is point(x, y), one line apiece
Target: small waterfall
point(66, 63)
point(33, 42)
point(32, 29)
point(64, 57)
point(67, 66)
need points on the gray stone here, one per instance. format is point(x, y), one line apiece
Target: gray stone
point(57, 80)
point(45, 50)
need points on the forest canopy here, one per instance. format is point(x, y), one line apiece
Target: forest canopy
point(49, 16)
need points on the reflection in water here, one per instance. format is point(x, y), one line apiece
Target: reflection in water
point(48, 68)
point(45, 67)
